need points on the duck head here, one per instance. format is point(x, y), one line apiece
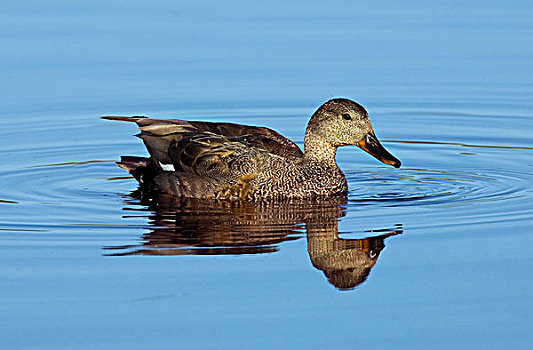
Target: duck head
point(342, 122)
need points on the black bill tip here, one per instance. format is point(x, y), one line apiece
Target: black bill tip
point(371, 145)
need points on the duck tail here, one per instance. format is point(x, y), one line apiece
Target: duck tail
point(139, 167)
point(136, 119)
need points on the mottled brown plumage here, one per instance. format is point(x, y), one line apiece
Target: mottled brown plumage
point(233, 161)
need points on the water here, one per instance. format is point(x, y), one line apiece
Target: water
point(433, 255)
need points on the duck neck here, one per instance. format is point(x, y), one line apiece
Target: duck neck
point(319, 151)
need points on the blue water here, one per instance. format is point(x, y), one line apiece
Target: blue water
point(448, 88)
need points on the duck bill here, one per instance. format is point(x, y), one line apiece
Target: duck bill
point(371, 145)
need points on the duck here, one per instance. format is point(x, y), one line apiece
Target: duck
point(227, 161)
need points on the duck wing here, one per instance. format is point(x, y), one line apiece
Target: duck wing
point(256, 136)
point(226, 159)
point(217, 150)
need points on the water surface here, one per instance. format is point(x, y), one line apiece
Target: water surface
point(432, 255)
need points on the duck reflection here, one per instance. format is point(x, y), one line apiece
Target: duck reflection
point(204, 227)
point(345, 262)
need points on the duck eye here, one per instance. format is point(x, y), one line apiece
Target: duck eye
point(346, 116)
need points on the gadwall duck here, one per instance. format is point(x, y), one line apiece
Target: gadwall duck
point(240, 162)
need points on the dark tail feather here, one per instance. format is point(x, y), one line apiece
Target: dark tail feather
point(141, 168)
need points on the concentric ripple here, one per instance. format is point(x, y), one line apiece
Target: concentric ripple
point(422, 187)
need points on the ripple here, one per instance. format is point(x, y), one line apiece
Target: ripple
point(423, 187)
point(61, 196)
point(457, 144)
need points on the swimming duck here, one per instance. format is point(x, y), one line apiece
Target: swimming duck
point(239, 162)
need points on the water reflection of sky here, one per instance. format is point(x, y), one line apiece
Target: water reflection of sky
point(448, 87)
point(165, 55)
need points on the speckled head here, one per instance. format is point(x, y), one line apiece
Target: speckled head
point(342, 122)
